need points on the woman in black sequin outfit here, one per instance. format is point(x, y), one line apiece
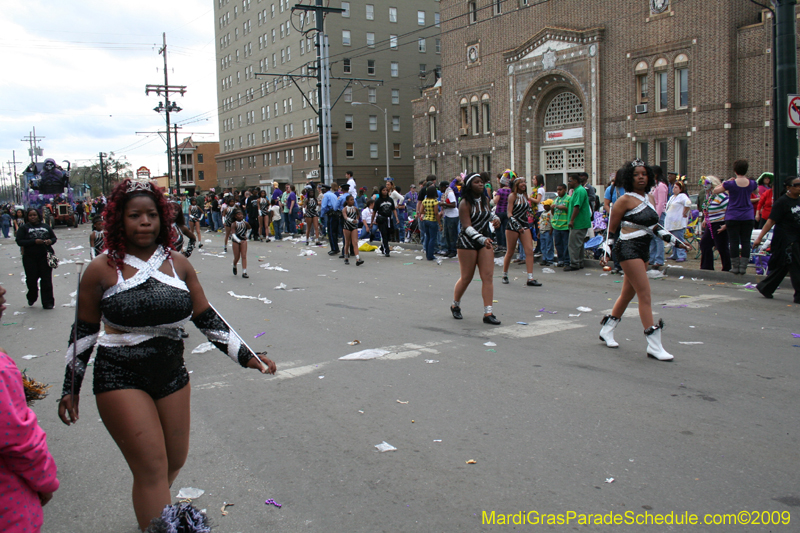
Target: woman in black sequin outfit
point(143, 294)
point(475, 246)
point(635, 215)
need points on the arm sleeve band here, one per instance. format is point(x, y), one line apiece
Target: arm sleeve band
point(216, 331)
point(79, 355)
point(607, 246)
point(475, 236)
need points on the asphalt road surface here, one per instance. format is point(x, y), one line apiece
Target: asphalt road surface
point(555, 421)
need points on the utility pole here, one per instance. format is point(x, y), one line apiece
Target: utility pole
point(102, 174)
point(785, 143)
point(34, 150)
point(15, 178)
point(177, 163)
point(166, 105)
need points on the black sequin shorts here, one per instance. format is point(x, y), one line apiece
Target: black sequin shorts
point(154, 366)
point(637, 248)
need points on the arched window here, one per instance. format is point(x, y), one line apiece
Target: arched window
point(681, 81)
point(474, 114)
point(662, 100)
point(642, 95)
point(485, 113)
point(464, 110)
point(565, 109)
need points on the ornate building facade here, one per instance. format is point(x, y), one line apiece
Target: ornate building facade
point(556, 87)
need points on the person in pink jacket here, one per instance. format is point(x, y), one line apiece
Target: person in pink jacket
point(27, 470)
point(660, 196)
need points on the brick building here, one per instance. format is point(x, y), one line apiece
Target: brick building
point(198, 166)
point(562, 86)
point(268, 126)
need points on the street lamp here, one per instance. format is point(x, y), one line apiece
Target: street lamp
point(385, 131)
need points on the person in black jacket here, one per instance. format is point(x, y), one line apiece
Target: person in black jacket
point(36, 239)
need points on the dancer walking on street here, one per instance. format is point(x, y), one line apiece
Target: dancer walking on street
point(239, 238)
point(518, 228)
point(350, 221)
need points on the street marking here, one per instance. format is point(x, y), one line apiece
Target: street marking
point(404, 351)
point(699, 302)
point(542, 327)
point(298, 371)
point(212, 385)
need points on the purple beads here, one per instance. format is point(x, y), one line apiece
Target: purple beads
point(273, 502)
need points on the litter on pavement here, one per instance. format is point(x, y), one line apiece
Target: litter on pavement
point(189, 493)
point(385, 447)
point(203, 348)
point(245, 297)
point(363, 355)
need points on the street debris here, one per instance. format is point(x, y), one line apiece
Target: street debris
point(189, 493)
point(584, 309)
point(690, 343)
point(490, 343)
point(418, 258)
point(548, 271)
point(281, 287)
point(267, 266)
point(522, 323)
point(245, 297)
point(273, 502)
point(472, 462)
point(385, 447)
point(224, 506)
point(574, 316)
point(610, 480)
point(203, 348)
point(431, 361)
point(655, 274)
point(363, 355)
point(29, 357)
point(306, 253)
point(353, 343)
point(260, 334)
point(400, 401)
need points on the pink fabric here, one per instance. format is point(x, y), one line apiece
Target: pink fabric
point(26, 466)
point(660, 195)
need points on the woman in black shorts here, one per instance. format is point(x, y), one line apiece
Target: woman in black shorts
point(634, 213)
point(239, 231)
point(474, 246)
point(350, 229)
point(518, 227)
point(143, 294)
point(263, 215)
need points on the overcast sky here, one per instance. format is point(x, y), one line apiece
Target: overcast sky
point(76, 71)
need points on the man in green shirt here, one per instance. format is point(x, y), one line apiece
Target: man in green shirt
point(561, 225)
point(580, 220)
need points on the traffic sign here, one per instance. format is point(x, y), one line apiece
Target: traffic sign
point(794, 111)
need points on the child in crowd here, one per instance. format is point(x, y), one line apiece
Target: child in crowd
point(366, 216)
point(546, 233)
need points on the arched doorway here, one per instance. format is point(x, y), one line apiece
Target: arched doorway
point(562, 143)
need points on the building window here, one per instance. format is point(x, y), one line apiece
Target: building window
point(346, 66)
point(395, 96)
point(393, 42)
point(397, 150)
point(433, 167)
point(681, 156)
point(423, 70)
point(372, 95)
point(464, 114)
point(485, 115)
point(438, 46)
point(642, 151)
point(346, 7)
point(348, 122)
point(371, 67)
point(437, 19)
point(199, 159)
point(566, 108)
point(662, 154)
point(641, 89)
point(201, 175)
point(392, 14)
point(497, 6)
point(373, 123)
point(422, 45)
point(395, 69)
point(345, 37)
point(349, 150)
point(682, 88)
point(370, 12)
point(475, 121)
point(373, 150)
point(348, 94)
point(420, 18)
point(432, 124)
point(487, 162)
point(395, 123)
point(661, 89)
point(370, 39)
point(473, 12)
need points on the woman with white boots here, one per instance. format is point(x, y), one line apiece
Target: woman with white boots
point(634, 214)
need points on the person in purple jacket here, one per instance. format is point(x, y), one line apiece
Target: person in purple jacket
point(739, 217)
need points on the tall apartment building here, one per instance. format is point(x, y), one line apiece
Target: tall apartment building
point(564, 86)
point(268, 128)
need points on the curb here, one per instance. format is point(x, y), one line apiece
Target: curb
point(710, 275)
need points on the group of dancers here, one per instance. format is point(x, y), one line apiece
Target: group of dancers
point(633, 215)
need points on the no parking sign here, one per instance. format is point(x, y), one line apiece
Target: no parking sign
point(794, 111)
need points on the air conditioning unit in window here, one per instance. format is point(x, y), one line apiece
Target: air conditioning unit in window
point(462, 131)
point(641, 108)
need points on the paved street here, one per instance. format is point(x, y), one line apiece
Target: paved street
point(548, 413)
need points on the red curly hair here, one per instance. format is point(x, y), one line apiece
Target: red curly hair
point(114, 226)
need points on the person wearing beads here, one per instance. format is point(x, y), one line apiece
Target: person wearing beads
point(96, 241)
point(311, 214)
point(518, 208)
point(714, 230)
point(350, 229)
point(474, 246)
point(142, 293)
point(638, 220)
point(239, 241)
